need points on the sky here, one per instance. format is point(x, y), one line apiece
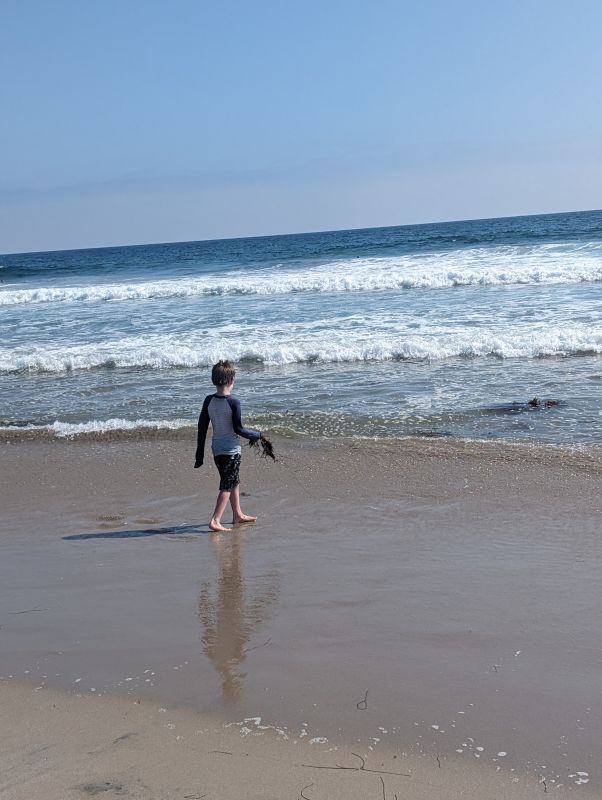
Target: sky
point(147, 121)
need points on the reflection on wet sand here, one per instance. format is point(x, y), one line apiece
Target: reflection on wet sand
point(231, 617)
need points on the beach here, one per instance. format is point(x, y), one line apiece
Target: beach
point(369, 238)
point(420, 593)
point(429, 604)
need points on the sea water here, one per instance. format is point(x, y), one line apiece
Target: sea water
point(437, 329)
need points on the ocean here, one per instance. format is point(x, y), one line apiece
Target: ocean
point(444, 329)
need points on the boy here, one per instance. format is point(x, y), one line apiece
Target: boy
point(223, 410)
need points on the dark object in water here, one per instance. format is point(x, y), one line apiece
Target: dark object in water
point(520, 408)
point(537, 403)
point(267, 448)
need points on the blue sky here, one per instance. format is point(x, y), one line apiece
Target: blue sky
point(149, 121)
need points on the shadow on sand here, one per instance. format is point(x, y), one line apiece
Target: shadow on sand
point(174, 530)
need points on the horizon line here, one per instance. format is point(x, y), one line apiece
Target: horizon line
point(298, 233)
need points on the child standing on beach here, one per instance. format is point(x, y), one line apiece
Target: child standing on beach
point(222, 409)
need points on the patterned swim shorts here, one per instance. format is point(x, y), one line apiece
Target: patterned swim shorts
point(229, 471)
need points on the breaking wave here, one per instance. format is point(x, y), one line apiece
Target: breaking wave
point(102, 429)
point(271, 347)
point(544, 264)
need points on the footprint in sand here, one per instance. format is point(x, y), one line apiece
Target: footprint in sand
point(100, 787)
point(110, 520)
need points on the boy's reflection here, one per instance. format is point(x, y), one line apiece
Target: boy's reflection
point(229, 620)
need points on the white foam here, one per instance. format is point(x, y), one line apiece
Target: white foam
point(65, 430)
point(478, 266)
point(319, 342)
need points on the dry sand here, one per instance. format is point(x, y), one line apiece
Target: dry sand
point(419, 603)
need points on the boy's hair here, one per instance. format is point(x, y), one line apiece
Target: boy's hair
point(222, 373)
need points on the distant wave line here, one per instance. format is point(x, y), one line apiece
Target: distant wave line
point(478, 267)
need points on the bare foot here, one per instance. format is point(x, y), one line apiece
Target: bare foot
point(243, 518)
point(216, 526)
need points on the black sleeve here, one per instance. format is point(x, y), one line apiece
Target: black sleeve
point(247, 433)
point(202, 432)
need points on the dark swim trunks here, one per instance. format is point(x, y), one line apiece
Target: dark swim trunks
point(229, 471)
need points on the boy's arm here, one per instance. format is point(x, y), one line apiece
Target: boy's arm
point(202, 433)
point(247, 433)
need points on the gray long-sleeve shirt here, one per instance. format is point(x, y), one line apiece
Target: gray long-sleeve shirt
point(223, 411)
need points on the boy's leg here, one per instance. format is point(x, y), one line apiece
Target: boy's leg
point(237, 512)
point(220, 507)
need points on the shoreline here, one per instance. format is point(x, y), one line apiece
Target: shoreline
point(166, 431)
point(452, 581)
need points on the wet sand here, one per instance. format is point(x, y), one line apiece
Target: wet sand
point(72, 746)
point(437, 601)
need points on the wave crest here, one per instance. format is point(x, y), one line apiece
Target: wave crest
point(110, 429)
point(544, 264)
point(326, 346)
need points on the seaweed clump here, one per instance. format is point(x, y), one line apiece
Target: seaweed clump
point(537, 403)
point(265, 446)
